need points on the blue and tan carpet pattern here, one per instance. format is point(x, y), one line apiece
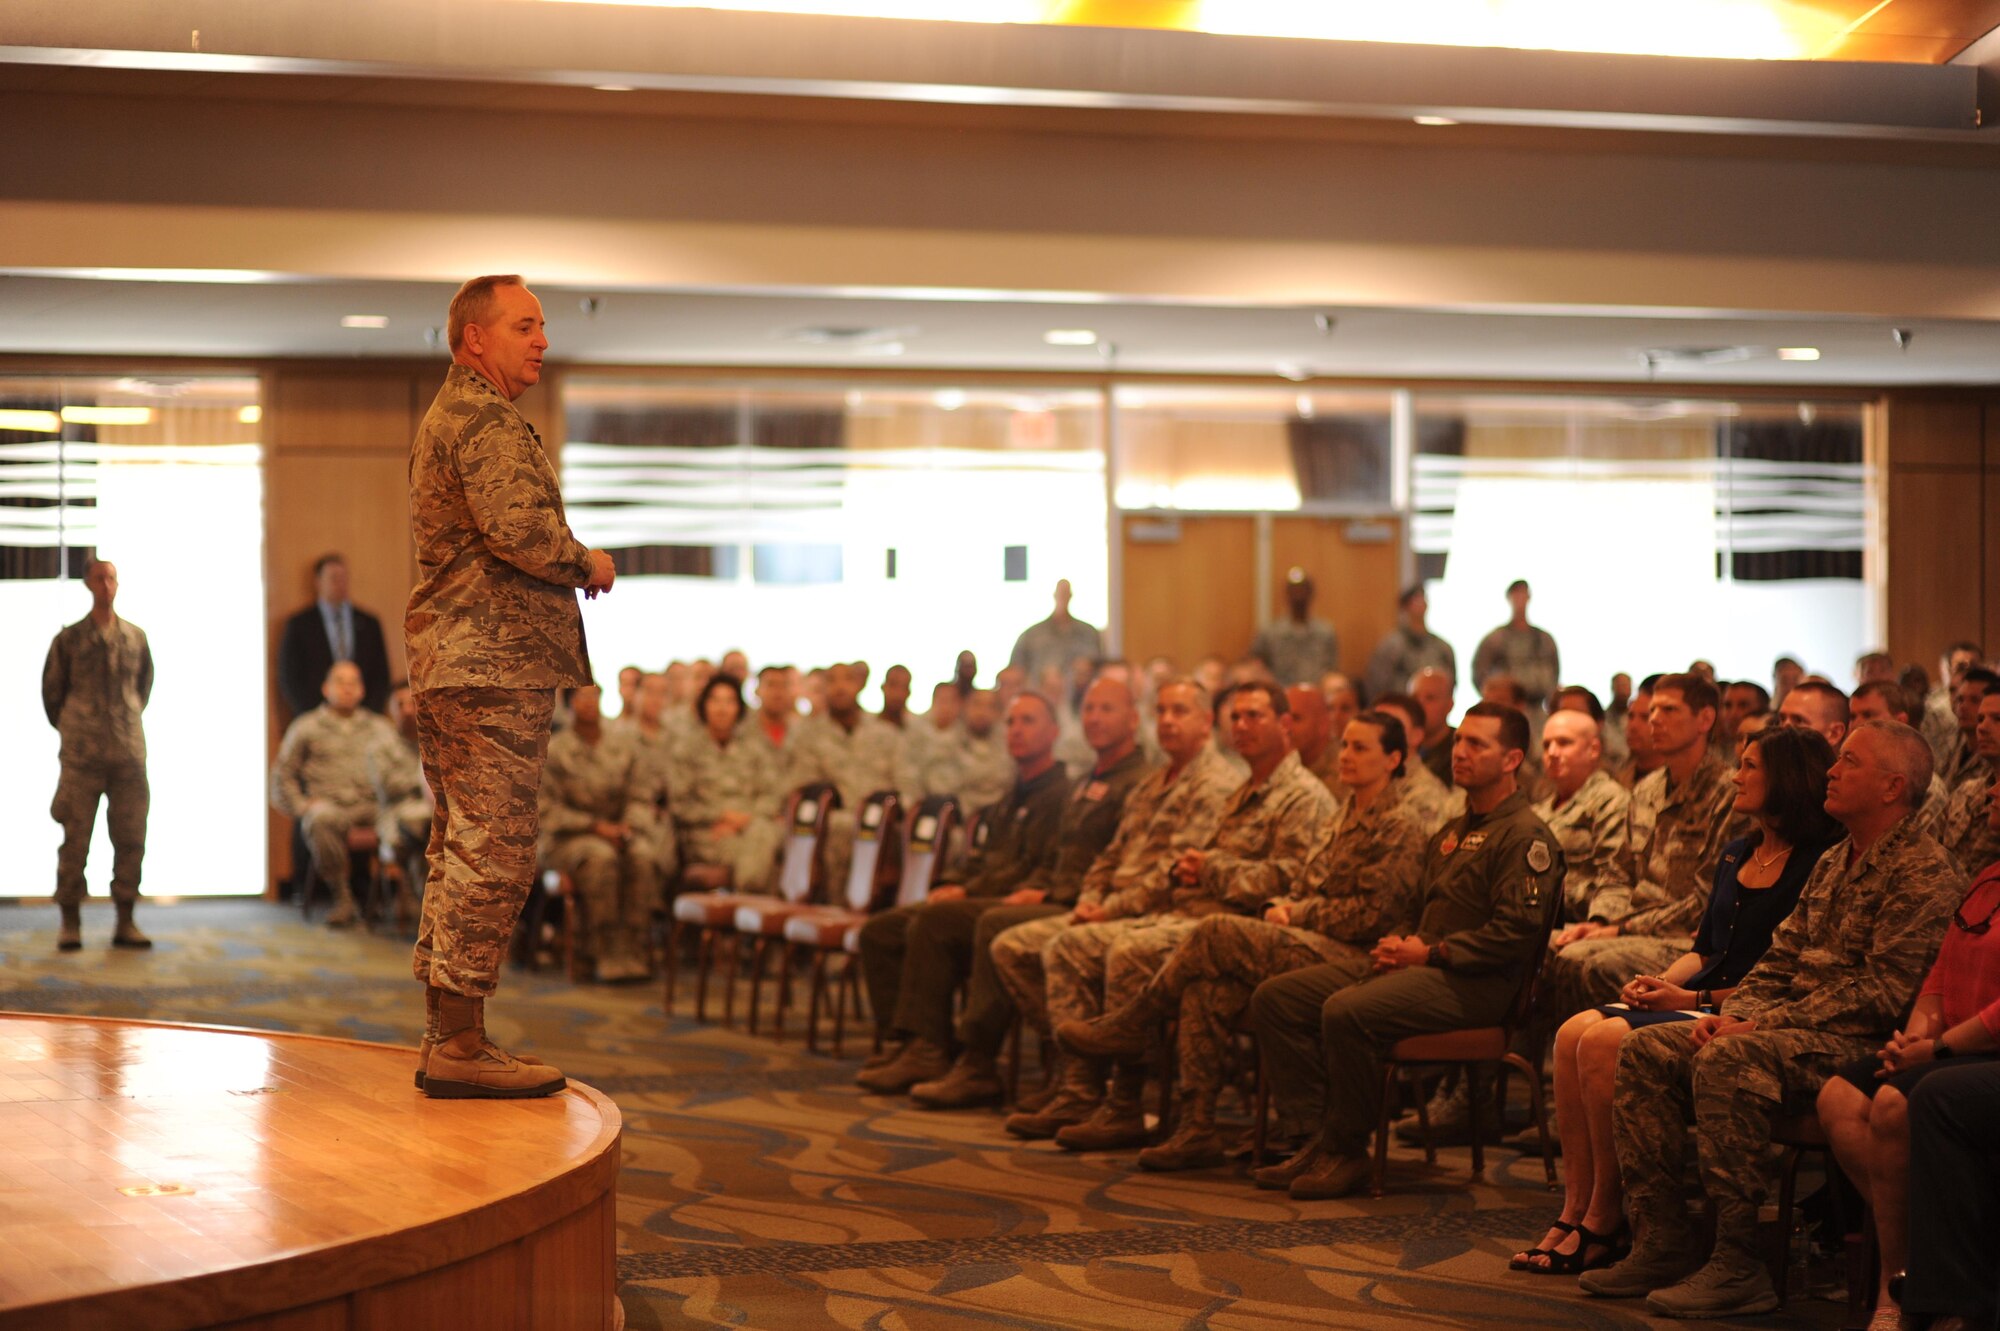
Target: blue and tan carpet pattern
point(761, 1189)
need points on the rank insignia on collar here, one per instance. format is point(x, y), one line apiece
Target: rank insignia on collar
point(1538, 857)
point(1449, 844)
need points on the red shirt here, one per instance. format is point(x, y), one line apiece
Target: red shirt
point(1966, 974)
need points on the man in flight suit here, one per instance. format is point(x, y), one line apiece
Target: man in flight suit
point(493, 629)
point(1488, 878)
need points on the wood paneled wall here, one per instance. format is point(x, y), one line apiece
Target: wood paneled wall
point(1938, 473)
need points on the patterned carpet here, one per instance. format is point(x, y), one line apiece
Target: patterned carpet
point(761, 1189)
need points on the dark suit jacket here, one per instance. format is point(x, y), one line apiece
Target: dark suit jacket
point(304, 657)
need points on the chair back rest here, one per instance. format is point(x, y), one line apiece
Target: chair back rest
point(875, 828)
point(805, 832)
point(1531, 983)
point(925, 837)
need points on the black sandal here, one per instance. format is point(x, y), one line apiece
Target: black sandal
point(1581, 1260)
point(1526, 1260)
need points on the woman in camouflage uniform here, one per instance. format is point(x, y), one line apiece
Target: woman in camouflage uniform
point(727, 792)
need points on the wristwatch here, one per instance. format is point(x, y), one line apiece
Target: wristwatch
point(1939, 1049)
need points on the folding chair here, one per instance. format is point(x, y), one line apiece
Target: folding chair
point(823, 929)
point(712, 914)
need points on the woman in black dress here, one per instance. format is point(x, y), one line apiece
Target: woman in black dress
point(1781, 785)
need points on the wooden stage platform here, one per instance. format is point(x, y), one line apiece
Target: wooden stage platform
point(157, 1177)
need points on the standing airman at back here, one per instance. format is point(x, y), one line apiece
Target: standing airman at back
point(95, 683)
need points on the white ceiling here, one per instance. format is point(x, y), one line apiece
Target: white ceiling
point(59, 315)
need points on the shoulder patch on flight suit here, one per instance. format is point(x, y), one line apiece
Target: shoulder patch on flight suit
point(1449, 844)
point(1538, 856)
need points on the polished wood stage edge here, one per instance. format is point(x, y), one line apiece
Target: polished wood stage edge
point(158, 1177)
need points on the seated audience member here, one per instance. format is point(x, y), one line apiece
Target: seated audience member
point(1840, 973)
point(924, 736)
point(1308, 725)
point(1343, 700)
point(1324, 1029)
point(1022, 840)
point(646, 722)
point(628, 691)
point(1967, 836)
point(964, 671)
point(1751, 726)
point(324, 776)
point(853, 751)
point(1872, 666)
point(1880, 700)
point(1274, 825)
point(1781, 787)
point(1616, 752)
point(1175, 807)
point(1433, 689)
point(1680, 821)
point(1962, 758)
point(1360, 889)
point(600, 824)
point(1741, 699)
point(1642, 755)
point(1816, 706)
point(735, 663)
point(969, 760)
point(1785, 675)
point(896, 696)
point(1865, 1109)
point(1586, 810)
point(1007, 686)
point(1940, 723)
point(953, 940)
point(679, 709)
point(772, 726)
point(727, 793)
point(396, 772)
point(1435, 803)
point(1956, 1170)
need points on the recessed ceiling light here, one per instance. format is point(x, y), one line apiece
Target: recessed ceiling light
point(1071, 337)
point(1798, 353)
point(1432, 120)
point(612, 87)
point(364, 321)
point(108, 415)
point(250, 415)
point(32, 422)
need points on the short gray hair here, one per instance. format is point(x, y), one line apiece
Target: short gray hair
point(1188, 682)
point(474, 304)
point(1909, 757)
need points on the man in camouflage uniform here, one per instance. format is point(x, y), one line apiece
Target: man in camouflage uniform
point(1298, 648)
point(1524, 653)
point(325, 777)
point(1172, 809)
point(1433, 802)
point(1841, 972)
point(1309, 727)
point(396, 772)
point(1274, 825)
point(728, 794)
point(910, 972)
point(969, 759)
point(963, 931)
point(1485, 890)
point(850, 749)
point(1055, 643)
point(96, 681)
point(600, 824)
point(645, 722)
point(1680, 820)
point(1408, 649)
point(1362, 888)
point(1967, 834)
point(1587, 810)
point(493, 629)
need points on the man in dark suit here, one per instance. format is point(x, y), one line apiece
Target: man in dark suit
point(331, 629)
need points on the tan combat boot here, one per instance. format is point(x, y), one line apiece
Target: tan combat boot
point(1119, 1123)
point(465, 1065)
point(345, 912)
point(127, 934)
point(69, 937)
point(425, 1045)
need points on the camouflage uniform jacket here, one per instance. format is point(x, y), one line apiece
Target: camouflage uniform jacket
point(1297, 653)
point(1268, 835)
point(1529, 655)
point(751, 730)
point(975, 768)
point(1023, 829)
point(1846, 963)
point(494, 604)
point(1164, 815)
point(584, 784)
point(708, 780)
point(1050, 644)
point(1401, 655)
point(1964, 829)
point(1433, 802)
point(1483, 889)
point(1675, 837)
point(94, 686)
point(1089, 820)
point(1364, 885)
point(396, 773)
point(1591, 825)
point(658, 752)
point(327, 756)
point(858, 762)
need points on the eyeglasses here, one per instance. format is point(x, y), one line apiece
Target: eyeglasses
point(1979, 927)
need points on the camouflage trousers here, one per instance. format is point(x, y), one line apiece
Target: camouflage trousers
point(326, 827)
point(990, 1002)
point(1593, 971)
point(1090, 969)
point(750, 855)
point(127, 798)
point(1731, 1089)
point(617, 887)
point(1016, 956)
point(1208, 982)
point(482, 752)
